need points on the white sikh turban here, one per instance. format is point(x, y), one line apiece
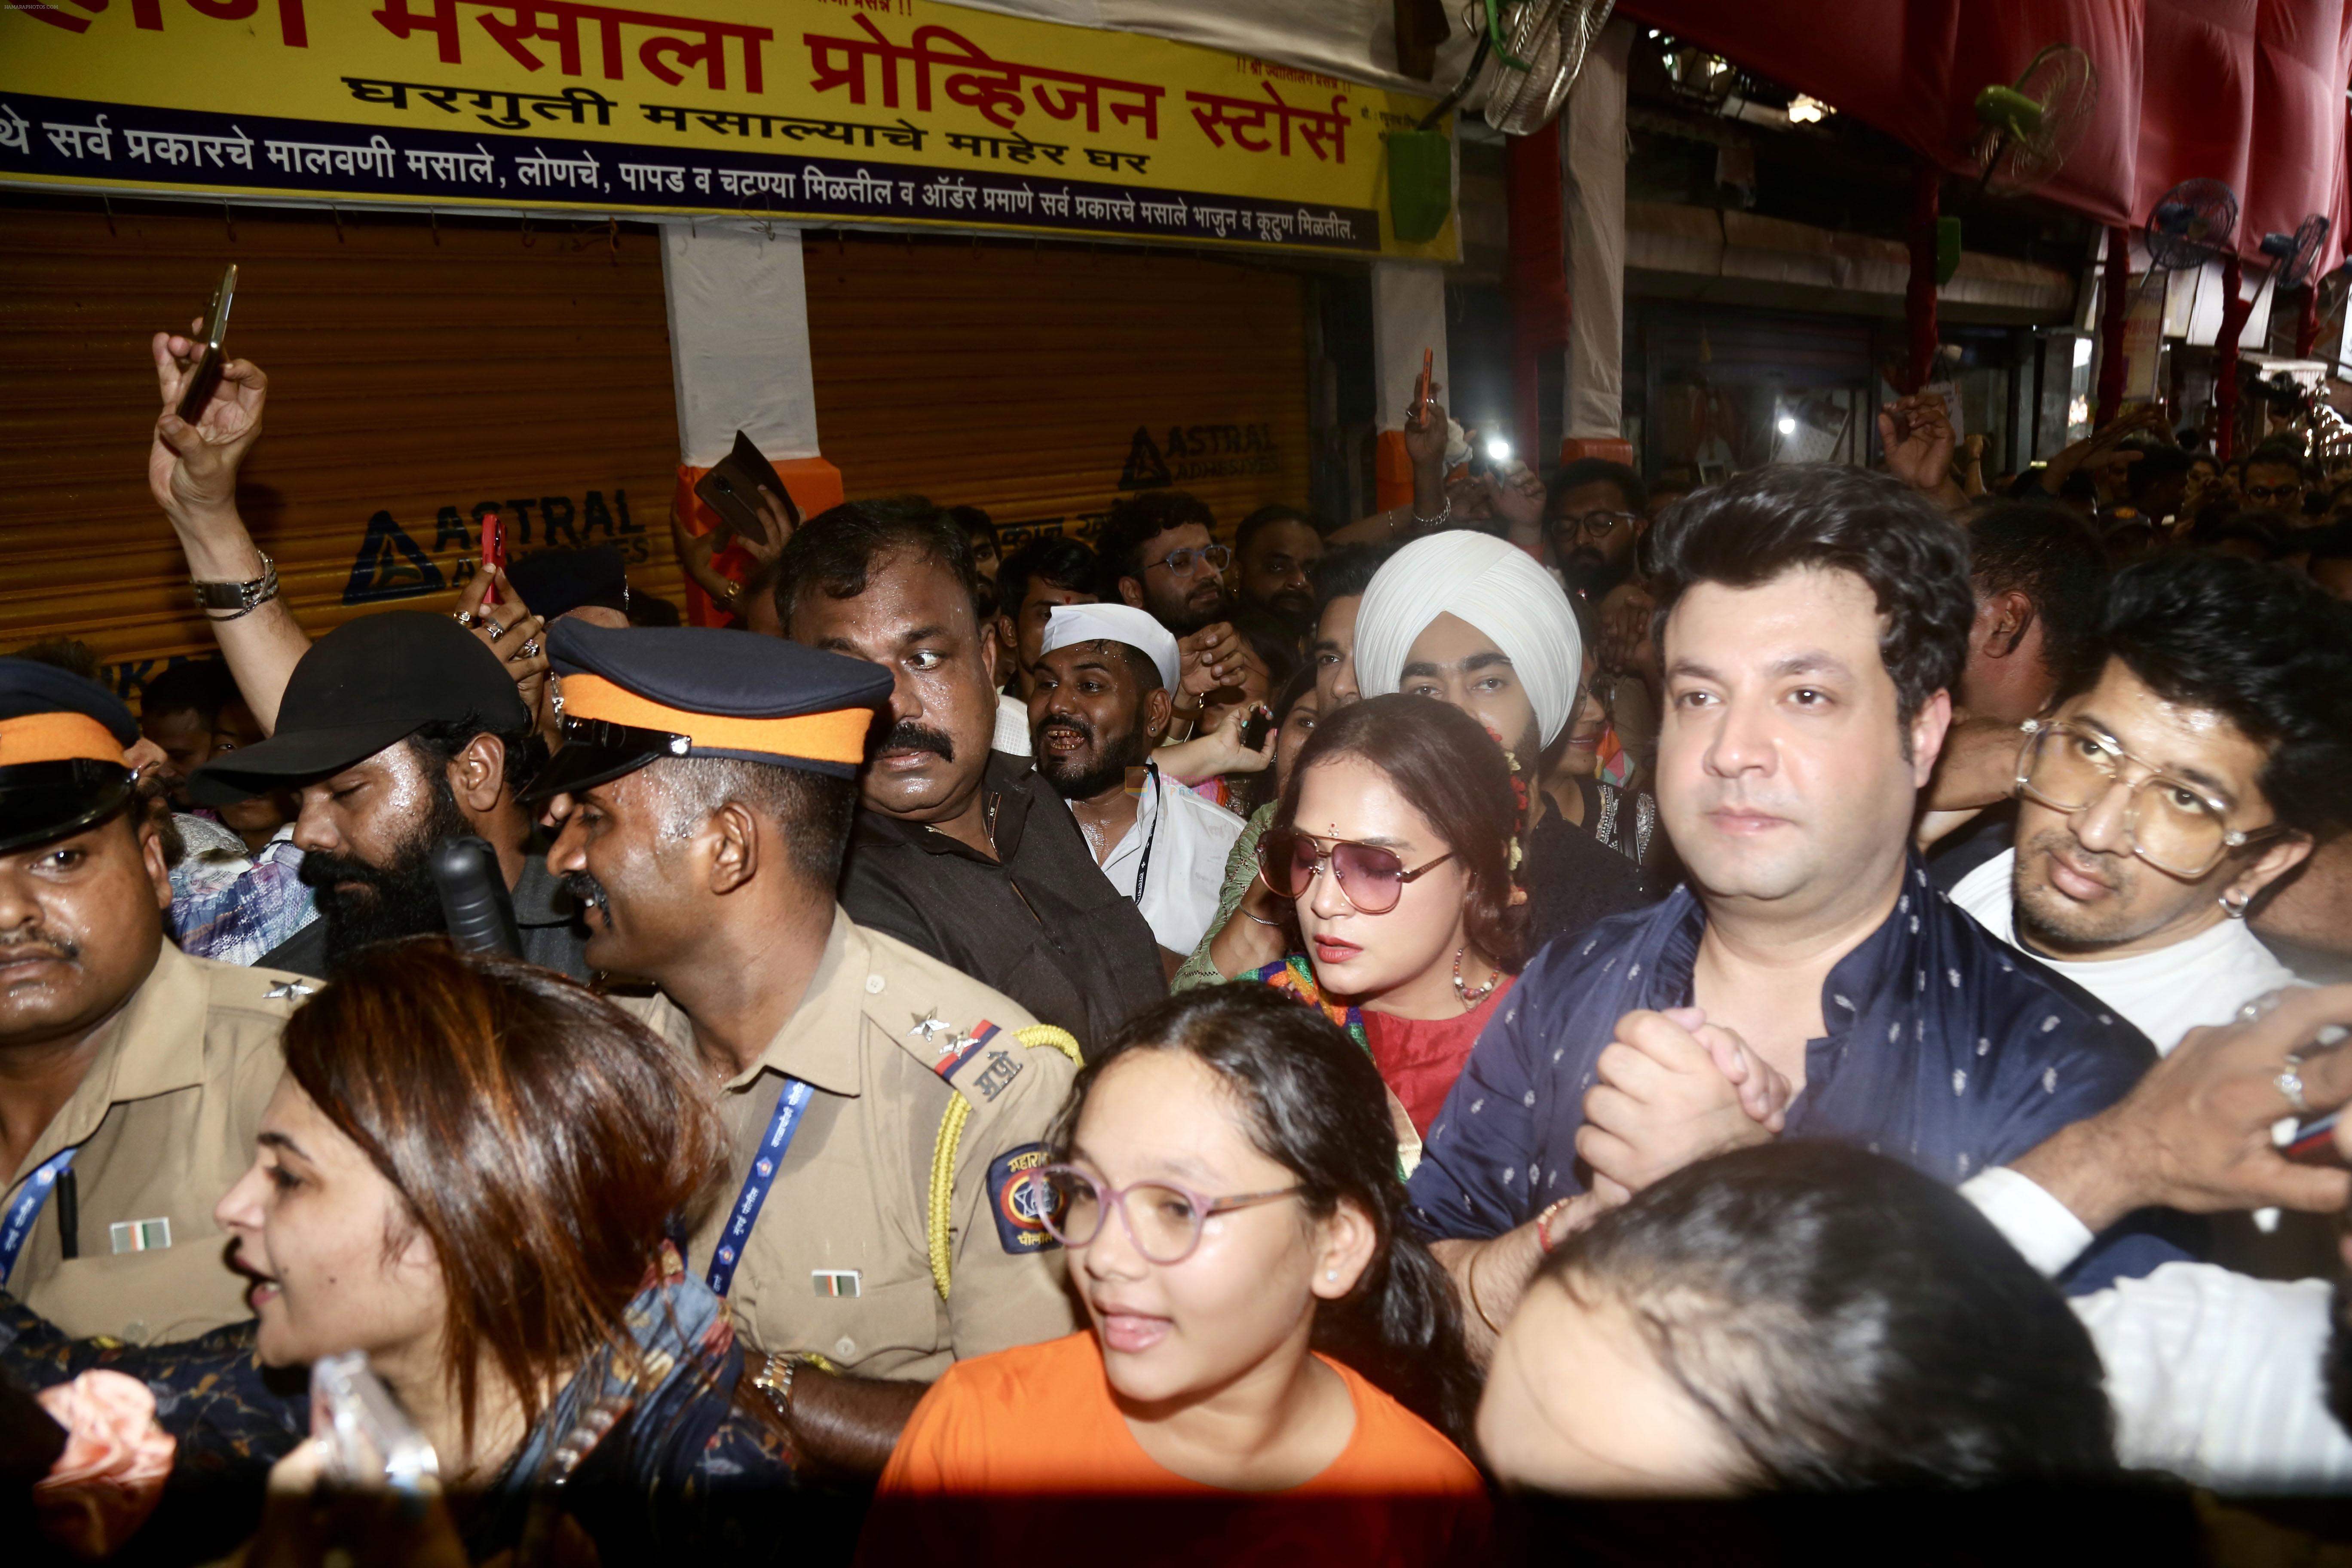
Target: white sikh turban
point(1497, 587)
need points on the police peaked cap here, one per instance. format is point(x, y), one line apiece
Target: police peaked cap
point(62, 742)
point(632, 697)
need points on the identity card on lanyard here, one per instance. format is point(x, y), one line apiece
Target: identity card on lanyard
point(27, 1208)
point(756, 1182)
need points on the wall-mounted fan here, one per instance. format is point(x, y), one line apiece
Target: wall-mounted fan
point(1528, 54)
point(2031, 126)
point(2190, 225)
point(2294, 254)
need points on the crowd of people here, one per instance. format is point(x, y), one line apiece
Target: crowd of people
point(1298, 1046)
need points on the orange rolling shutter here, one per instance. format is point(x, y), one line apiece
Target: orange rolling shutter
point(417, 377)
point(1042, 382)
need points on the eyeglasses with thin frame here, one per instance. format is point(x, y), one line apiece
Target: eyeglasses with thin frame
point(2172, 825)
point(1162, 1219)
point(1594, 524)
point(1180, 563)
point(1371, 879)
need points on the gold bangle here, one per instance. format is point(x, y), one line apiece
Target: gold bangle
point(1470, 1289)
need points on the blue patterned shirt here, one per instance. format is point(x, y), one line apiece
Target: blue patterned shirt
point(1946, 1050)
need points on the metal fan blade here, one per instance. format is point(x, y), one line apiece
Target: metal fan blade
point(1552, 37)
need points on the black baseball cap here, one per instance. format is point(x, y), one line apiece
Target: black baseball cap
point(633, 697)
point(62, 738)
point(361, 686)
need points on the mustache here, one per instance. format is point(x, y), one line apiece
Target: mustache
point(907, 735)
point(324, 871)
point(40, 937)
point(586, 890)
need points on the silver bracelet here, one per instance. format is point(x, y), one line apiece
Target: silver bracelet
point(238, 598)
point(1260, 918)
point(1445, 516)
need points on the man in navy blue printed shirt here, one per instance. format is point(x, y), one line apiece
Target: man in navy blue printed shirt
point(1810, 624)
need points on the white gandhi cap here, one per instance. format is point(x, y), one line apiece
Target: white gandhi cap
point(1114, 623)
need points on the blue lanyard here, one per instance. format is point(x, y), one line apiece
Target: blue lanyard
point(756, 1182)
point(27, 1208)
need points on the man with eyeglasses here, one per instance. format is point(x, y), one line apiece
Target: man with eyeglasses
point(1593, 517)
point(1158, 554)
point(2273, 480)
point(2211, 751)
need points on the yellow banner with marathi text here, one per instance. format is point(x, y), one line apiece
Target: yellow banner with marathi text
point(860, 110)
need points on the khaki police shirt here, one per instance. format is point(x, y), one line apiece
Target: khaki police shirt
point(837, 1264)
point(164, 1123)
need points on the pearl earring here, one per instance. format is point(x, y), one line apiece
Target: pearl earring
point(1330, 1274)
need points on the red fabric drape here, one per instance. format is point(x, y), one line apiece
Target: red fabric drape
point(2248, 92)
point(1536, 276)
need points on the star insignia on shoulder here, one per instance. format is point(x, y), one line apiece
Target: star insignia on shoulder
point(285, 989)
point(928, 1026)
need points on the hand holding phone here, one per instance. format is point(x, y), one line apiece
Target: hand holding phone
point(1253, 727)
point(204, 374)
point(493, 555)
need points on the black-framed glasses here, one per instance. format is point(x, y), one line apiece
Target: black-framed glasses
point(2172, 825)
point(1162, 1219)
point(1594, 524)
point(2271, 493)
point(1180, 563)
point(1370, 879)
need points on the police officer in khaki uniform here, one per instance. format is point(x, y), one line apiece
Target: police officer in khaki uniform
point(881, 1103)
point(131, 1077)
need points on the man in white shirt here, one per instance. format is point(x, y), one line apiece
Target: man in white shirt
point(1100, 701)
point(2230, 1382)
point(2215, 748)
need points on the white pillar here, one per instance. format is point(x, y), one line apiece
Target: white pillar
point(1408, 316)
point(738, 340)
point(1592, 177)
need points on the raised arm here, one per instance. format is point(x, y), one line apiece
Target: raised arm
point(192, 471)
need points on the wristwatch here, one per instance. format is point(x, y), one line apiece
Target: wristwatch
point(775, 1381)
point(238, 598)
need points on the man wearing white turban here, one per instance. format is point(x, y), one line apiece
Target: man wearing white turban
point(1472, 620)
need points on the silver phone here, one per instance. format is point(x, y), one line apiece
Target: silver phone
point(370, 1441)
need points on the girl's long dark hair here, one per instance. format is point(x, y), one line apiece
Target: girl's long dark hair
point(1313, 1102)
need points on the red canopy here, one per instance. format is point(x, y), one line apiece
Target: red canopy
point(2251, 93)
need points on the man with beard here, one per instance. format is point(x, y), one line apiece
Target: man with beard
point(1158, 554)
point(400, 730)
point(1039, 575)
point(132, 1078)
point(883, 1101)
point(1594, 516)
point(1098, 707)
point(958, 851)
point(1812, 622)
point(2211, 752)
point(1275, 549)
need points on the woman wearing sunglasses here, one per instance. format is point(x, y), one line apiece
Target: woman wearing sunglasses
point(1273, 1360)
point(1394, 844)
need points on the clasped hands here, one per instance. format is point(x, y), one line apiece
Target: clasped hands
point(1673, 1088)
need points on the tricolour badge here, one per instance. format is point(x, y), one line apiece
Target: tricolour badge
point(1018, 1205)
point(960, 1048)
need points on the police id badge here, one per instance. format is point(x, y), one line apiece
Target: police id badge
point(1019, 1205)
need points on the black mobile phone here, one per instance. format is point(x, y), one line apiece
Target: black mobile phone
point(731, 488)
point(204, 377)
point(1255, 727)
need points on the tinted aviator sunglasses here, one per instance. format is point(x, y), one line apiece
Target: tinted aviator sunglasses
point(1370, 879)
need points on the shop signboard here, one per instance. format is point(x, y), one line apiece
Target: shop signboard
point(894, 112)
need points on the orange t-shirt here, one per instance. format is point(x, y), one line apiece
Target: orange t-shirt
point(1013, 1457)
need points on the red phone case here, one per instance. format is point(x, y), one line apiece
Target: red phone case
point(494, 553)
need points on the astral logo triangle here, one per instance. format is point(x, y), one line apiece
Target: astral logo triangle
point(390, 566)
point(1146, 468)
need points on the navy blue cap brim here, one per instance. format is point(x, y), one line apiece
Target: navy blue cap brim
point(42, 802)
